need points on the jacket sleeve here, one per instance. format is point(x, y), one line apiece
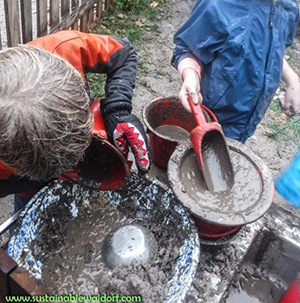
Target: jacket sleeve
point(120, 68)
point(292, 23)
point(17, 184)
point(203, 34)
point(90, 53)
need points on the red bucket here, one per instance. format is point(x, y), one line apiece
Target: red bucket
point(213, 231)
point(168, 111)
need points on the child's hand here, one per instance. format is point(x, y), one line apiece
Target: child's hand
point(190, 88)
point(291, 101)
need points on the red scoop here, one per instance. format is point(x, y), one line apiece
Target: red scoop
point(211, 151)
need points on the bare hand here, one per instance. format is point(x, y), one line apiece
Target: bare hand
point(190, 88)
point(291, 101)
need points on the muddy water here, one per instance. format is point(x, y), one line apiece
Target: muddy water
point(240, 199)
point(253, 291)
point(78, 267)
point(175, 132)
point(216, 163)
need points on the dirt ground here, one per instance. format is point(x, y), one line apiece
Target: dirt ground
point(159, 78)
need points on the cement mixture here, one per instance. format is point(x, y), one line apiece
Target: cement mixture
point(70, 249)
point(175, 132)
point(245, 192)
point(246, 201)
point(216, 163)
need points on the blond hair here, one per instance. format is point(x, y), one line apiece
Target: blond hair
point(45, 117)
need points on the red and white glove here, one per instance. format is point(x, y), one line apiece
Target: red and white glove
point(126, 131)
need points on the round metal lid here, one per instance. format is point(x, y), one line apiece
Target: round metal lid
point(248, 200)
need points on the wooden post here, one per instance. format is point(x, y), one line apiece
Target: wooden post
point(99, 8)
point(41, 6)
point(77, 14)
point(65, 8)
point(7, 265)
point(83, 22)
point(26, 19)
point(75, 26)
point(54, 12)
point(13, 30)
point(90, 17)
point(107, 5)
point(21, 283)
point(74, 4)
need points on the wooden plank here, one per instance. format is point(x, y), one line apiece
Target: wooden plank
point(21, 283)
point(90, 17)
point(107, 5)
point(13, 30)
point(99, 8)
point(41, 8)
point(54, 12)
point(7, 265)
point(75, 26)
point(75, 3)
point(76, 15)
point(65, 8)
point(26, 19)
point(83, 22)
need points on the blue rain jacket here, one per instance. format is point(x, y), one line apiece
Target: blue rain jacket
point(240, 45)
point(288, 185)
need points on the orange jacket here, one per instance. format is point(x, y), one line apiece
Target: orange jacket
point(88, 53)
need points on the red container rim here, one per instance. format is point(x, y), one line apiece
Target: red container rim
point(221, 235)
point(151, 129)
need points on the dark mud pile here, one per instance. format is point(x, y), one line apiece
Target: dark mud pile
point(71, 249)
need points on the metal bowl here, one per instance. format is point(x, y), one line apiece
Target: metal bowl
point(130, 244)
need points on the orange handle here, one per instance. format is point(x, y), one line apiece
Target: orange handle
point(197, 112)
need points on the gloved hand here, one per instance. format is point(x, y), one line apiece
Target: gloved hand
point(126, 130)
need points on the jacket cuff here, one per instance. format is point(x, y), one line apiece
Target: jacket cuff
point(189, 63)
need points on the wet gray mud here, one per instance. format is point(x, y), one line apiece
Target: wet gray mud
point(78, 267)
point(175, 132)
point(253, 291)
point(217, 166)
point(270, 266)
point(244, 194)
point(71, 249)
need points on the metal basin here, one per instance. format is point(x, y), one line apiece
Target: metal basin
point(75, 196)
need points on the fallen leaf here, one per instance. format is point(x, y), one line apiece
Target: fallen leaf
point(139, 23)
point(268, 131)
point(284, 116)
point(154, 4)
